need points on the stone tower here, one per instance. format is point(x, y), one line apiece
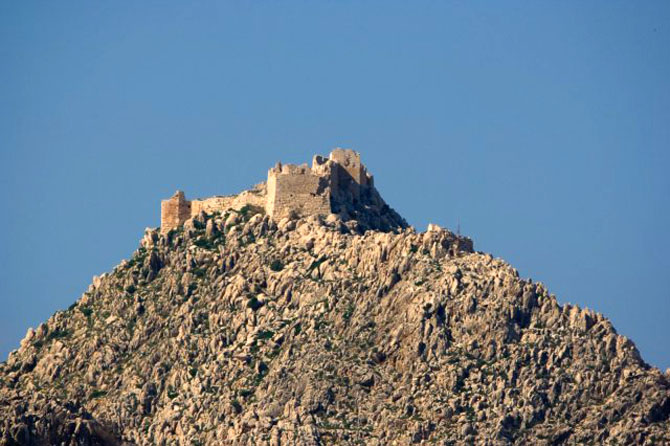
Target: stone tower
point(296, 190)
point(348, 174)
point(350, 162)
point(174, 212)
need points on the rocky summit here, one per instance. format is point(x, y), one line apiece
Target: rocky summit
point(329, 323)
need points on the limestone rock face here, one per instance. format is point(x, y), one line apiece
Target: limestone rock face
point(240, 330)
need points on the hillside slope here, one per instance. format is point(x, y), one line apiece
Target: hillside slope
point(236, 330)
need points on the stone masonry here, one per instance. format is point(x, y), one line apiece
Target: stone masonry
point(296, 190)
point(339, 184)
point(175, 211)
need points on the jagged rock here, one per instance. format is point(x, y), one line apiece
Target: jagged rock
point(241, 330)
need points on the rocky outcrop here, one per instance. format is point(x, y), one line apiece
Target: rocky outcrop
point(54, 423)
point(240, 330)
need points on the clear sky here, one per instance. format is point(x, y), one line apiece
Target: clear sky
point(542, 128)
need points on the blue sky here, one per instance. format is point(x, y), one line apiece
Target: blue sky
point(542, 128)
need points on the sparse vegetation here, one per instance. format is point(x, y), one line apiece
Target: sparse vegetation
point(95, 394)
point(265, 334)
point(86, 311)
point(254, 303)
point(348, 312)
point(276, 265)
point(354, 365)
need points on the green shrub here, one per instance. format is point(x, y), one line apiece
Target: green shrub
point(245, 393)
point(244, 210)
point(254, 303)
point(237, 407)
point(98, 394)
point(276, 265)
point(199, 272)
point(348, 312)
point(265, 334)
point(58, 334)
point(203, 243)
point(86, 311)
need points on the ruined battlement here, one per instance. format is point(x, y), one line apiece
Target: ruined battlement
point(296, 190)
point(339, 184)
point(350, 162)
point(290, 169)
point(175, 211)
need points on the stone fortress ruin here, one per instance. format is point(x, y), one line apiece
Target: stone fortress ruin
point(339, 185)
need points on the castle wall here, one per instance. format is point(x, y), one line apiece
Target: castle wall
point(210, 205)
point(296, 189)
point(350, 161)
point(174, 212)
point(177, 209)
point(290, 189)
point(220, 204)
point(249, 198)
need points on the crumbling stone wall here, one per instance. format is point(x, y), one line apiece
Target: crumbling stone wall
point(349, 174)
point(177, 209)
point(254, 198)
point(296, 190)
point(210, 205)
point(350, 162)
point(174, 212)
point(338, 184)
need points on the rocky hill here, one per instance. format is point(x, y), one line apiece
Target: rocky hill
point(237, 330)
